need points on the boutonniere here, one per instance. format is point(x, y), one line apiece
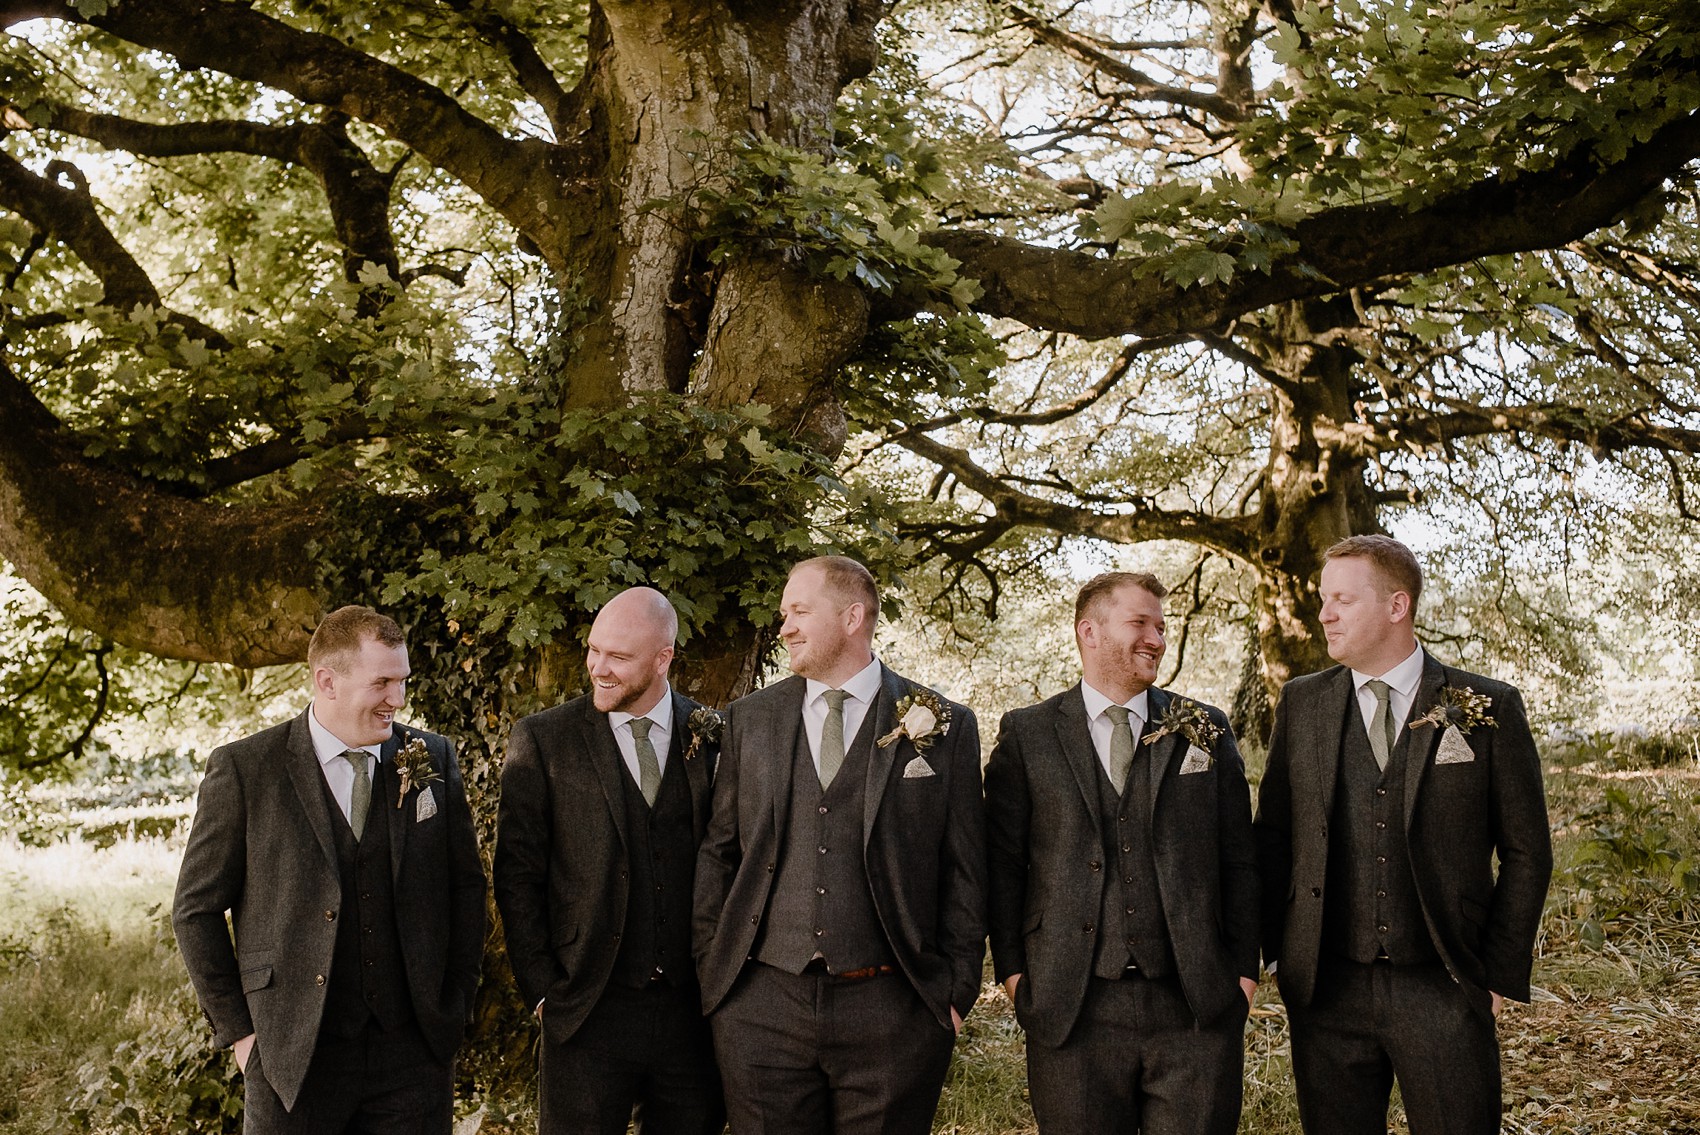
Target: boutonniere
point(1187, 719)
point(705, 726)
point(923, 717)
point(414, 766)
point(1461, 708)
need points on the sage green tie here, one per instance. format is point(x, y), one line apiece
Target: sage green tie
point(1121, 746)
point(649, 769)
point(1381, 731)
point(832, 737)
point(361, 800)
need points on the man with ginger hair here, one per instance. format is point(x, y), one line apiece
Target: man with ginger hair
point(341, 846)
point(1124, 886)
point(840, 922)
point(604, 802)
point(1404, 851)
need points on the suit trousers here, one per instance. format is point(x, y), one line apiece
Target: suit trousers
point(373, 1083)
point(1136, 1061)
point(641, 1054)
point(811, 1054)
point(1369, 1024)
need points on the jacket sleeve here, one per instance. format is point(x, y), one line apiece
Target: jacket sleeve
point(521, 865)
point(1273, 834)
point(722, 848)
point(1008, 811)
point(1236, 853)
point(962, 880)
point(208, 885)
point(468, 915)
point(1522, 839)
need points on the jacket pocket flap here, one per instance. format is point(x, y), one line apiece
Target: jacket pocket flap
point(257, 978)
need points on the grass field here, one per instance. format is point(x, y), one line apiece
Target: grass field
point(97, 1031)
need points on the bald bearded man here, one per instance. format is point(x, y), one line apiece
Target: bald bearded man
point(604, 802)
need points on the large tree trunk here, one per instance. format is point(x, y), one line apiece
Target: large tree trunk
point(1314, 492)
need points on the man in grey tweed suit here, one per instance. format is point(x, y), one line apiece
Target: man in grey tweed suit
point(1394, 784)
point(840, 922)
point(341, 846)
point(1124, 887)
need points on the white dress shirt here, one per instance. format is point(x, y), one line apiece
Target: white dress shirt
point(1100, 725)
point(339, 774)
point(863, 689)
point(1402, 682)
point(660, 733)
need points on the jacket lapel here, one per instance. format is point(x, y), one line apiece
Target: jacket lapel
point(1162, 754)
point(786, 724)
point(606, 759)
point(1419, 753)
point(302, 761)
point(385, 787)
point(880, 759)
point(697, 773)
point(1329, 729)
point(1074, 734)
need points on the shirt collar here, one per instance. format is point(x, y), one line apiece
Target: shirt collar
point(1096, 703)
point(1404, 677)
point(864, 686)
point(325, 744)
point(661, 713)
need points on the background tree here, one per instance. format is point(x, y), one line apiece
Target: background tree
point(484, 310)
point(1310, 175)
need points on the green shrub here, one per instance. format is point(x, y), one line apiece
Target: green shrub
point(169, 1079)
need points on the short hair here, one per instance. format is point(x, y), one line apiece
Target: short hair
point(849, 581)
point(1396, 564)
point(342, 632)
point(1101, 587)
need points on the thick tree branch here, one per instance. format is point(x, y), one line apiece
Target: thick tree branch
point(522, 179)
point(535, 77)
point(1552, 421)
point(356, 191)
point(1014, 508)
point(174, 577)
point(1096, 297)
point(68, 214)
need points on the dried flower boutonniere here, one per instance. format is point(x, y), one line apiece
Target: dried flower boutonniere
point(1460, 707)
point(705, 726)
point(414, 765)
point(1187, 719)
point(923, 717)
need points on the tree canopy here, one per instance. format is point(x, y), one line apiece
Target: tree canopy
point(484, 309)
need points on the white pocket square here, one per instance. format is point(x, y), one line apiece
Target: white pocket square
point(918, 767)
point(1197, 760)
point(426, 807)
point(1454, 750)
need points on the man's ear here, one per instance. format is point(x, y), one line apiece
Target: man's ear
point(324, 682)
point(1399, 606)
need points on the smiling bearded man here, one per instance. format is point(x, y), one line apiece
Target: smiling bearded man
point(1123, 886)
point(604, 801)
point(341, 845)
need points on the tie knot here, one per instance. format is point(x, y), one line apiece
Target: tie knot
point(1379, 688)
point(641, 727)
point(1117, 714)
point(835, 699)
point(357, 758)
